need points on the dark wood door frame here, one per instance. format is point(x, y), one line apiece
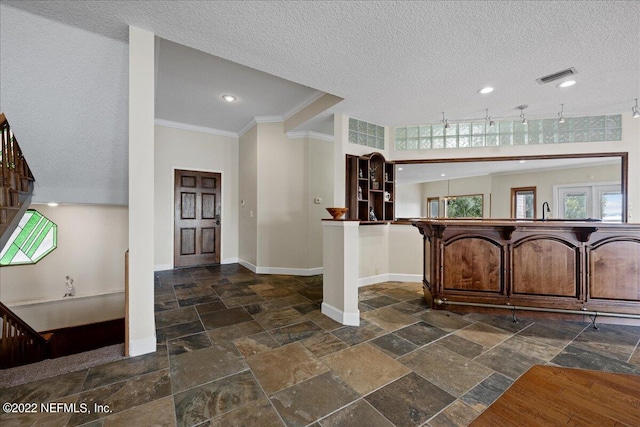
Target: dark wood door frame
point(197, 217)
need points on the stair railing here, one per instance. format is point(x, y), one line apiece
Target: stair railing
point(15, 176)
point(20, 344)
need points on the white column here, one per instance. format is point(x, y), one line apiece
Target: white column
point(340, 262)
point(141, 322)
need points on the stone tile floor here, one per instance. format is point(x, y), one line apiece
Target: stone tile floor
point(240, 349)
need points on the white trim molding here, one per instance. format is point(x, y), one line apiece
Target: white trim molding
point(281, 270)
point(194, 128)
point(389, 277)
point(162, 267)
point(311, 134)
point(349, 319)
point(229, 260)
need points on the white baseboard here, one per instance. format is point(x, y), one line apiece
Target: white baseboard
point(389, 277)
point(230, 261)
point(247, 265)
point(162, 267)
point(349, 319)
point(281, 270)
point(142, 346)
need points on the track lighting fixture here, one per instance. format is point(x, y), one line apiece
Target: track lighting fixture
point(521, 108)
point(635, 111)
point(561, 114)
point(487, 118)
point(445, 121)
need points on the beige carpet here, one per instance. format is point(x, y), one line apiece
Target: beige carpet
point(62, 365)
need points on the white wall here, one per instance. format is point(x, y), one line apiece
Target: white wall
point(184, 149)
point(63, 88)
point(408, 201)
point(320, 182)
point(248, 197)
point(92, 241)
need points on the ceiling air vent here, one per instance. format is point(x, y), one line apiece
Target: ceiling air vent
point(557, 76)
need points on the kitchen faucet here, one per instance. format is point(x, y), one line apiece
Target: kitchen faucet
point(545, 210)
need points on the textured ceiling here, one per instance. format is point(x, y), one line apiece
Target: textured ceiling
point(399, 63)
point(64, 69)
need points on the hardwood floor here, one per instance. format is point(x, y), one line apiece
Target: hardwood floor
point(548, 395)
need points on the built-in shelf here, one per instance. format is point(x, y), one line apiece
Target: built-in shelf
point(370, 177)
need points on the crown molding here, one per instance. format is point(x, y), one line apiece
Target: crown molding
point(310, 134)
point(260, 119)
point(305, 103)
point(194, 128)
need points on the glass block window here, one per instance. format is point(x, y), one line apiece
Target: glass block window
point(34, 238)
point(371, 135)
point(509, 132)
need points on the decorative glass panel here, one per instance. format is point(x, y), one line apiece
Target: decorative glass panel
point(508, 132)
point(478, 128)
point(453, 130)
point(549, 137)
point(613, 121)
point(613, 134)
point(581, 135)
point(353, 137)
point(565, 136)
point(596, 134)
point(401, 144)
point(534, 138)
point(534, 126)
point(412, 143)
point(565, 126)
point(596, 122)
point(519, 138)
point(35, 237)
point(368, 134)
point(506, 139)
point(580, 123)
point(506, 126)
point(549, 125)
point(478, 141)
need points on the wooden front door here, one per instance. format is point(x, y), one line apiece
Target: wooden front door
point(197, 218)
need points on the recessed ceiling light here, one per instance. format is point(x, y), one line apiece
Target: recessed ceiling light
point(443, 174)
point(229, 98)
point(52, 204)
point(486, 90)
point(523, 161)
point(400, 169)
point(567, 83)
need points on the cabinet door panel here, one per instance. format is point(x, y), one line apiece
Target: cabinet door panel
point(473, 264)
point(545, 267)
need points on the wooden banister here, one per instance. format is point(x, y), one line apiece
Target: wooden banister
point(16, 181)
point(20, 344)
